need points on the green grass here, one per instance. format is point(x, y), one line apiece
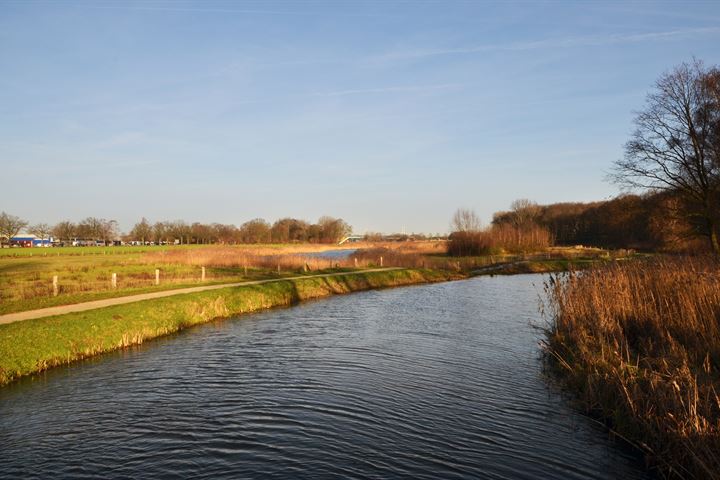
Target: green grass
point(85, 251)
point(31, 346)
point(26, 281)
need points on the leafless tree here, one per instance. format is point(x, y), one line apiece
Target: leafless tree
point(65, 230)
point(676, 145)
point(525, 213)
point(332, 230)
point(465, 220)
point(255, 231)
point(142, 231)
point(41, 230)
point(10, 226)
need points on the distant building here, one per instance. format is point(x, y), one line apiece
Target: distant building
point(27, 241)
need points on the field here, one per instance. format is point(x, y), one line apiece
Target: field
point(85, 273)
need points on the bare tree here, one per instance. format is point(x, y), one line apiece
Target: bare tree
point(333, 229)
point(676, 145)
point(41, 230)
point(65, 230)
point(465, 220)
point(10, 226)
point(525, 213)
point(255, 231)
point(142, 231)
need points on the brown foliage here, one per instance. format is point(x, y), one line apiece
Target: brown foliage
point(501, 238)
point(640, 343)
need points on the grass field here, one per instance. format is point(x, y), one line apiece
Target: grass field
point(26, 282)
point(84, 273)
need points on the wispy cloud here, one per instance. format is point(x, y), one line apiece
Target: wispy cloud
point(565, 42)
point(174, 8)
point(394, 89)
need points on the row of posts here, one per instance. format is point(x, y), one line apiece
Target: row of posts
point(113, 278)
point(356, 262)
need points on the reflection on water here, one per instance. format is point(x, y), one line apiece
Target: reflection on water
point(436, 381)
point(331, 254)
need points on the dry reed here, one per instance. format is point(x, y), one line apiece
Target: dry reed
point(639, 342)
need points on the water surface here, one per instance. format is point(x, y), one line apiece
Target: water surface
point(435, 381)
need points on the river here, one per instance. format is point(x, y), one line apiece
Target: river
point(433, 381)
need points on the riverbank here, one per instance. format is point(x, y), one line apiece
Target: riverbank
point(32, 346)
point(638, 344)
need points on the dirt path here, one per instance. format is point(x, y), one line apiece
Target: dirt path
point(109, 302)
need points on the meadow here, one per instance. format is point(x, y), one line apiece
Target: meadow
point(85, 273)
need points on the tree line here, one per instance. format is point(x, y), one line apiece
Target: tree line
point(672, 161)
point(642, 222)
point(285, 230)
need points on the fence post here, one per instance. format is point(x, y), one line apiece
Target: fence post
point(246, 270)
point(55, 286)
point(202, 275)
point(157, 276)
point(356, 262)
point(278, 268)
point(113, 280)
point(381, 261)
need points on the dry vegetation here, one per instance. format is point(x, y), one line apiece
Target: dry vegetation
point(499, 239)
point(84, 273)
point(640, 343)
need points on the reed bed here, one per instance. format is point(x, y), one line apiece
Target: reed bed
point(639, 343)
point(239, 258)
point(499, 239)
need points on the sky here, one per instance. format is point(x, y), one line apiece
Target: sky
point(388, 114)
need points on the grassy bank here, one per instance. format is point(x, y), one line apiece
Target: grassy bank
point(84, 273)
point(639, 344)
point(35, 345)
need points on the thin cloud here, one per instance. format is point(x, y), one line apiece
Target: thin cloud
point(567, 42)
point(241, 11)
point(402, 88)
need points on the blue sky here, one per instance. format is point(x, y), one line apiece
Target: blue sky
point(388, 114)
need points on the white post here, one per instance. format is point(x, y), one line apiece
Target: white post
point(113, 281)
point(278, 268)
point(381, 261)
point(55, 286)
point(356, 263)
point(202, 277)
point(157, 276)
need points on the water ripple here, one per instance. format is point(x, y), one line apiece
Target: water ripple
point(437, 381)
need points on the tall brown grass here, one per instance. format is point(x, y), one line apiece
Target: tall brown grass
point(234, 257)
point(639, 343)
point(498, 239)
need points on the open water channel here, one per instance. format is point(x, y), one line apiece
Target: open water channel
point(433, 381)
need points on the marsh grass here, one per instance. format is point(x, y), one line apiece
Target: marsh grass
point(639, 344)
